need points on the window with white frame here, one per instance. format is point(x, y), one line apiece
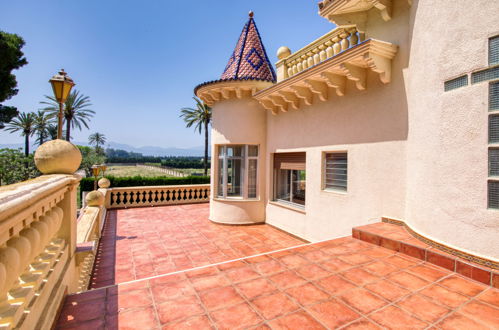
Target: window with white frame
point(335, 171)
point(237, 173)
point(290, 178)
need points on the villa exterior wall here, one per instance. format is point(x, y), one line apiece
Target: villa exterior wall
point(415, 152)
point(447, 140)
point(370, 125)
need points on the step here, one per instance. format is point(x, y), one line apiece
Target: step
point(397, 238)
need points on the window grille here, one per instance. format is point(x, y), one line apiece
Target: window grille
point(335, 176)
point(494, 50)
point(494, 162)
point(494, 128)
point(493, 198)
point(456, 83)
point(487, 74)
point(494, 96)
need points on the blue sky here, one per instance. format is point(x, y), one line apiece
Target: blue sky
point(140, 60)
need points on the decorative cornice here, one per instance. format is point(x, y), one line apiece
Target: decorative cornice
point(216, 91)
point(330, 74)
point(343, 12)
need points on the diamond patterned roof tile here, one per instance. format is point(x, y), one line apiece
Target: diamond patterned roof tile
point(249, 59)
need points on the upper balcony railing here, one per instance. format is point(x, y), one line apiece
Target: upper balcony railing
point(329, 45)
point(324, 67)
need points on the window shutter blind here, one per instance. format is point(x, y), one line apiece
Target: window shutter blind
point(494, 162)
point(493, 194)
point(336, 171)
point(494, 96)
point(456, 83)
point(487, 74)
point(290, 161)
point(494, 128)
point(494, 50)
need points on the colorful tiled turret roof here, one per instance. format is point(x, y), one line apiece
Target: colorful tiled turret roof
point(249, 59)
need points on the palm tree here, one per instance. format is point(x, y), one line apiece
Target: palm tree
point(97, 139)
point(42, 123)
point(52, 131)
point(25, 123)
point(200, 117)
point(76, 111)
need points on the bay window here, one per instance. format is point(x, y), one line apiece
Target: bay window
point(237, 171)
point(290, 178)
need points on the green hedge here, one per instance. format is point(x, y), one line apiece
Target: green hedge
point(87, 184)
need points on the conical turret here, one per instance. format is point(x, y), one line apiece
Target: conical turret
point(248, 62)
point(249, 59)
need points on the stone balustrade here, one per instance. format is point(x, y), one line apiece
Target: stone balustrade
point(45, 252)
point(89, 228)
point(37, 247)
point(156, 195)
point(327, 46)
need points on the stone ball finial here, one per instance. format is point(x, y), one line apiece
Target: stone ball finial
point(94, 198)
point(57, 157)
point(104, 183)
point(283, 52)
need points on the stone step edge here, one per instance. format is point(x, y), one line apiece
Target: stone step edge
point(477, 272)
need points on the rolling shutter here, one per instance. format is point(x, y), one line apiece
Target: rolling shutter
point(290, 161)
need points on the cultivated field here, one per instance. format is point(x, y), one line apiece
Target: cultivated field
point(132, 170)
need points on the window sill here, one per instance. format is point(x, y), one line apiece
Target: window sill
point(335, 191)
point(289, 206)
point(236, 199)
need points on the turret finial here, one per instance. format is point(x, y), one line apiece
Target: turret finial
point(250, 14)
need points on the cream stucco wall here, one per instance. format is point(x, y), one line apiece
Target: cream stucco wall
point(239, 121)
point(447, 141)
point(371, 126)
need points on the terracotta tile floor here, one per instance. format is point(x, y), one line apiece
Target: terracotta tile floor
point(343, 283)
point(144, 242)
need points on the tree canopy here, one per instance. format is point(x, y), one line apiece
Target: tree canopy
point(11, 58)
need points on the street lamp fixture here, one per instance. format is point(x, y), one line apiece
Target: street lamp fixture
point(61, 84)
point(95, 172)
point(103, 168)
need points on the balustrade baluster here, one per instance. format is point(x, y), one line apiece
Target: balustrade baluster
point(316, 57)
point(336, 45)
point(329, 49)
point(322, 55)
point(345, 44)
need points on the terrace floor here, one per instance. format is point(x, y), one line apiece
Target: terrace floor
point(342, 283)
point(144, 242)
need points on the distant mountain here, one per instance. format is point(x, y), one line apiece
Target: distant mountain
point(146, 150)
